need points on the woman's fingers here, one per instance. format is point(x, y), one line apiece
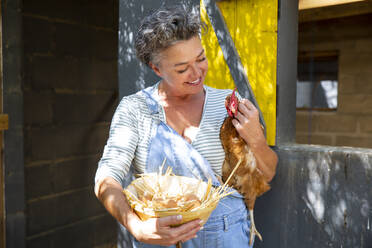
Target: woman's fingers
point(239, 119)
point(169, 220)
point(187, 231)
point(243, 107)
point(183, 238)
point(187, 227)
point(247, 107)
point(182, 233)
point(247, 122)
point(247, 112)
point(249, 104)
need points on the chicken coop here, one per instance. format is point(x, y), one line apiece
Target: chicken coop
point(306, 64)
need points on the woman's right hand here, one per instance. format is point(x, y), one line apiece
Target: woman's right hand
point(159, 231)
point(152, 231)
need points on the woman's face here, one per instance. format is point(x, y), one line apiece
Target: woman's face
point(183, 67)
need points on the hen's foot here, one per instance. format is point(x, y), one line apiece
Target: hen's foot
point(253, 230)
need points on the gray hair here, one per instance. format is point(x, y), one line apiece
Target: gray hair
point(163, 28)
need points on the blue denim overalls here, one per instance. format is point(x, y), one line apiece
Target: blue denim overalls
point(228, 225)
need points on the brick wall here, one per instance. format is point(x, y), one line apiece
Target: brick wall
point(70, 93)
point(351, 124)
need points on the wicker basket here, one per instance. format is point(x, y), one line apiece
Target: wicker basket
point(154, 185)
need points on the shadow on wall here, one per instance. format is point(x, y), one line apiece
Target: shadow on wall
point(321, 197)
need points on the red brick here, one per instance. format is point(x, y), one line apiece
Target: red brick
point(86, 233)
point(38, 181)
point(352, 141)
point(335, 122)
point(40, 144)
point(364, 45)
point(302, 139)
point(353, 63)
point(80, 140)
point(70, 10)
point(84, 108)
point(303, 121)
point(102, 74)
point(365, 124)
point(94, 10)
point(318, 139)
point(315, 139)
point(74, 40)
point(37, 35)
point(85, 42)
point(355, 104)
point(50, 72)
point(346, 83)
point(105, 239)
point(363, 82)
point(73, 174)
point(49, 143)
point(48, 213)
point(38, 108)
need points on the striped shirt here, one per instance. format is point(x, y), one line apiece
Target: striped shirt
point(129, 137)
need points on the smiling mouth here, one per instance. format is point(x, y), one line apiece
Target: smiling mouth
point(196, 82)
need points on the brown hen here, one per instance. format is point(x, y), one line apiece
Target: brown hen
point(247, 179)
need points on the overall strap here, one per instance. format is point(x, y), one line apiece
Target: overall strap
point(165, 142)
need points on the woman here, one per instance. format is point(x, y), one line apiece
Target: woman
point(179, 119)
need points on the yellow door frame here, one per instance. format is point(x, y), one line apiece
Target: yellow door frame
point(253, 27)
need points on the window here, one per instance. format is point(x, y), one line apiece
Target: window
point(317, 82)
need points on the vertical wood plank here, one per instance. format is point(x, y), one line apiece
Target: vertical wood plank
point(218, 75)
point(2, 196)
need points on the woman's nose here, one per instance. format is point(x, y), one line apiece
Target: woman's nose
point(196, 71)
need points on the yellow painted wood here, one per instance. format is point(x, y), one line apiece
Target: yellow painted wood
point(218, 75)
point(253, 27)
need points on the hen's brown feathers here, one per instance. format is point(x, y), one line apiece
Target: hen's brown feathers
point(247, 180)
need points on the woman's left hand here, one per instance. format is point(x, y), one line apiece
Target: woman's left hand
point(247, 123)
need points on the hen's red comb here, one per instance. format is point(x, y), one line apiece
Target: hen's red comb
point(232, 106)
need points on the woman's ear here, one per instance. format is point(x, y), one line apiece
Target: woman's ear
point(155, 69)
